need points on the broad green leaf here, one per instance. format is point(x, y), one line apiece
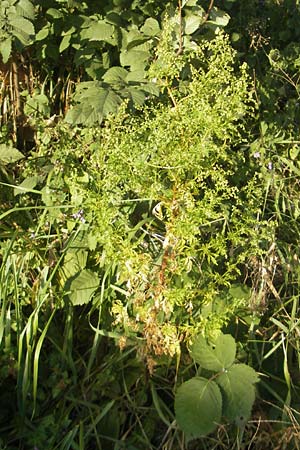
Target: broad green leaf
point(22, 24)
point(42, 34)
point(54, 13)
point(115, 74)
point(83, 114)
point(65, 42)
point(136, 76)
point(98, 31)
point(38, 103)
point(83, 286)
point(22, 37)
point(136, 95)
point(134, 58)
point(150, 27)
point(198, 407)
point(74, 262)
point(9, 154)
point(237, 383)
point(219, 17)
point(215, 357)
point(95, 103)
point(191, 24)
point(26, 9)
point(5, 49)
point(27, 185)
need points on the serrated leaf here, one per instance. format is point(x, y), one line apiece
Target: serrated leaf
point(5, 49)
point(134, 58)
point(98, 31)
point(9, 154)
point(191, 24)
point(115, 74)
point(237, 383)
point(26, 9)
point(198, 407)
point(74, 262)
point(95, 104)
point(27, 185)
point(22, 24)
point(136, 95)
point(151, 27)
point(83, 286)
point(83, 114)
point(22, 37)
point(215, 357)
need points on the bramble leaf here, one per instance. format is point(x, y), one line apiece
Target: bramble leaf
point(215, 357)
point(198, 407)
point(83, 286)
point(237, 383)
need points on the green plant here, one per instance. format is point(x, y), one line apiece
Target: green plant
point(226, 389)
point(16, 19)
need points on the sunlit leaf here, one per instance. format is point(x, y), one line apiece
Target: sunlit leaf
point(9, 154)
point(237, 383)
point(217, 356)
point(83, 286)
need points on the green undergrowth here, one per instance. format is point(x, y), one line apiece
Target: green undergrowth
point(122, 246)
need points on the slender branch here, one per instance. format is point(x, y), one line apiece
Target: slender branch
point(208, 11)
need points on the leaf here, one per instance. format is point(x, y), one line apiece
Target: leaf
point(134, 58)
point(240, 291)
point(135, 95)
point(95, 102)
point(54, 13)
point(42, 34)
point(65, 42)
point(198, 407)
point(150, 27)
point(237, 383)
point(26, 186)
point(98, 31)
point(83, 286)
point(215, 357)
point(9, 154)
point(115, 74)
point(5, 49)
point(191, 24)
point(22, 24)
point(219, 17)
point(26, 9)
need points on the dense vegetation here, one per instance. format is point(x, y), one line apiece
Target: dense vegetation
point(149, 224)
